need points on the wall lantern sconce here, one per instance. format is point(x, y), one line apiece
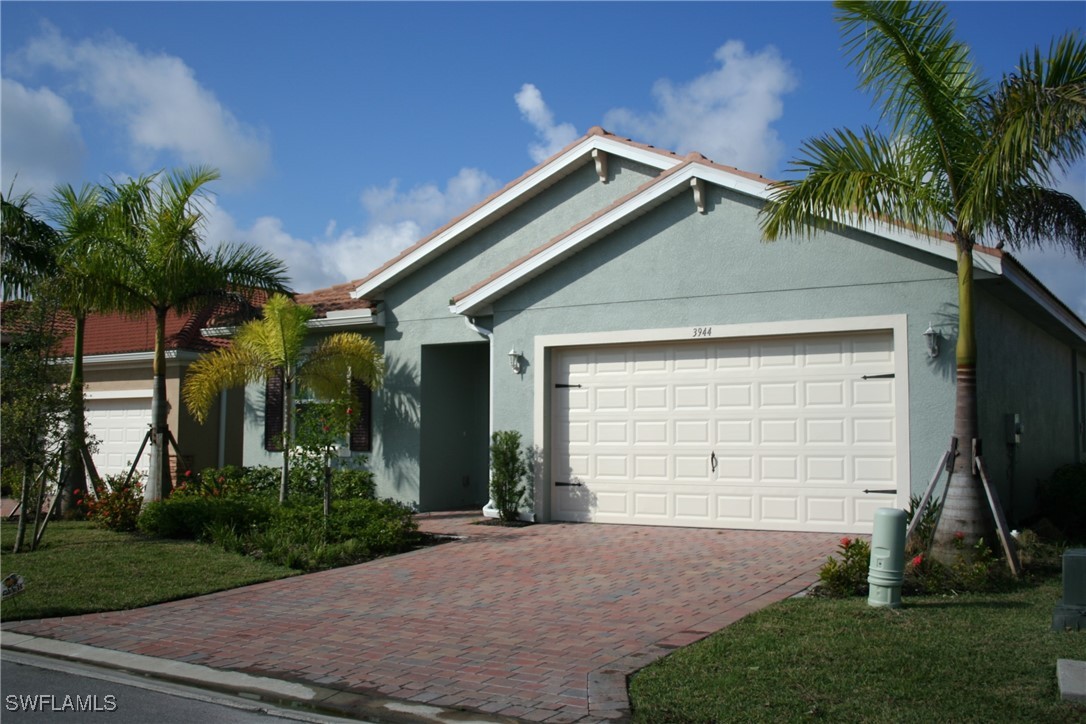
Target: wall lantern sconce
point(516, 362)
point(932, 338)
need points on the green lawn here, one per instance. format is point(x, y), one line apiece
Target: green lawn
point(83, 569)
point(967, 658)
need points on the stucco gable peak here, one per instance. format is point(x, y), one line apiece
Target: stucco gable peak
point(597, 140)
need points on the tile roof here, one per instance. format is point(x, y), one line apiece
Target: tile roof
point(333, 299)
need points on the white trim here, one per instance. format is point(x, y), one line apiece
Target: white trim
point(344, 318)
point(1043, 297)
point(511, 197)
point(123, 358)
point(653, 194)
point(897, 324)
point(118, 394)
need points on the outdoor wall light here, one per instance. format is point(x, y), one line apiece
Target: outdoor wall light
point(516, 362)
point(932, 338)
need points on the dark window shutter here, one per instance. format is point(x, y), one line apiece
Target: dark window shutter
point(361, 431)
point(273, 412)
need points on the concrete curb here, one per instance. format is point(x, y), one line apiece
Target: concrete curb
point(260, 688)
point(1071, 676)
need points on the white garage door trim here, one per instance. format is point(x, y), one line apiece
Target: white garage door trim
point(119, 419)
point(549, 347)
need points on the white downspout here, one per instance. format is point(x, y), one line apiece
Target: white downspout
point(488, 510)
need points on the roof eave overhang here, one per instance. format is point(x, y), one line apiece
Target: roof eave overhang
point(516, 193)
point(481, 298)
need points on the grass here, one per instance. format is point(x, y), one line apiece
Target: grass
point(83, 569)
point(965, 658)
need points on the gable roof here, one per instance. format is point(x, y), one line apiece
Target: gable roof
point(693, 173)
point(592, 147)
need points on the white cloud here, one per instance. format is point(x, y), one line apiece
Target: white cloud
point(725, 114)
point(158, 100)
point(555, 137)
point(41, 145)
point(396, 220)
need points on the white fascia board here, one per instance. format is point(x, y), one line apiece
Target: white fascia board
point(122, 359)
point(1044, 298)
point(344, 318)
point(479, 299)
point(511, 196)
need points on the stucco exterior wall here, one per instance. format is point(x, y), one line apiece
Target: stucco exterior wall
point(675, 267)
point(416, 309)
point(1025, 370)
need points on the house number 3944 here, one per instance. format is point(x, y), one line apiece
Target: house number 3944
point(703, 331)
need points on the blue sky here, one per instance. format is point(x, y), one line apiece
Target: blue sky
point(345, 131)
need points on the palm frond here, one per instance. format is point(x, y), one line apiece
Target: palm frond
point(220, 370)
point(923, 78)
point(28, 246)
point(846, 177)
point(1035, 216)
point(279, 336)
point(339, 359)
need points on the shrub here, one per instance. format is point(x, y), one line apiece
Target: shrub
point(230, 481)
point(117, 506)
point(1062, 500)
point(300, 537)
point(924, 533)
point(846, 576)
point(353, 484)
point(189, 516)
point(508, 470)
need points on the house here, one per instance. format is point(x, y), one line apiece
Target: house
point(617, 306)
point(117, 371)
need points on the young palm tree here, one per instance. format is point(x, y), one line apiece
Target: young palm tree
point(275, 345)
point(28, 249)
point(158, 266)
point(79, 259)
point(962, 157)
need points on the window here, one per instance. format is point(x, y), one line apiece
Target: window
point(273, 412)
point(361, 435)
point(361, 432)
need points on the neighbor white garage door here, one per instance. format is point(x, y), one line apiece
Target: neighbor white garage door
point(119, 425)
point(777, 433)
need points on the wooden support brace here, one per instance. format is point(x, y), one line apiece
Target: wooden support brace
point(919, 512)
point(1009, 547)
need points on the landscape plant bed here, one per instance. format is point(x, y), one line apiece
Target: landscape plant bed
point(971, 657)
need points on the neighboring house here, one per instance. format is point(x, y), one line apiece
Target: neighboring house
point(117, 371)
point(617, 306)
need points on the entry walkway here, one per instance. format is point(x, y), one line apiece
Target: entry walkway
point(541, 623)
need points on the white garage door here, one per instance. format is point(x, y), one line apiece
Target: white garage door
point(781, 433)
point(119, 425)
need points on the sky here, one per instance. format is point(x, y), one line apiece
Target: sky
point(345, 131)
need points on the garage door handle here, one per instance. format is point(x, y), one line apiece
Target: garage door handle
point(712, 461)
point(564, 484)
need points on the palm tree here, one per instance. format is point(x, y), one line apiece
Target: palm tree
point(159, 265)
point(962, 157)
point(28, 246)
point(275, 345)
point(79, 259)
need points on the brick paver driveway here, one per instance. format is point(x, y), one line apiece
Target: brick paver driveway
point(541, 623)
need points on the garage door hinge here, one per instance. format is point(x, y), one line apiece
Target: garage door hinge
point(878, 377)
point(564, 386)
point(564, 484)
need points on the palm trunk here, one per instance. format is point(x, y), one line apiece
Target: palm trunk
point(965, 508)
point(158, 476)
point(75, 473)
point(24, 505)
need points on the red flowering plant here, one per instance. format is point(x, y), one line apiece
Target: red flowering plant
point(117, 506)
point(846, 575)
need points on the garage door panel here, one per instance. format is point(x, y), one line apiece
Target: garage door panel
point(119, 425)
point(795, 434)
